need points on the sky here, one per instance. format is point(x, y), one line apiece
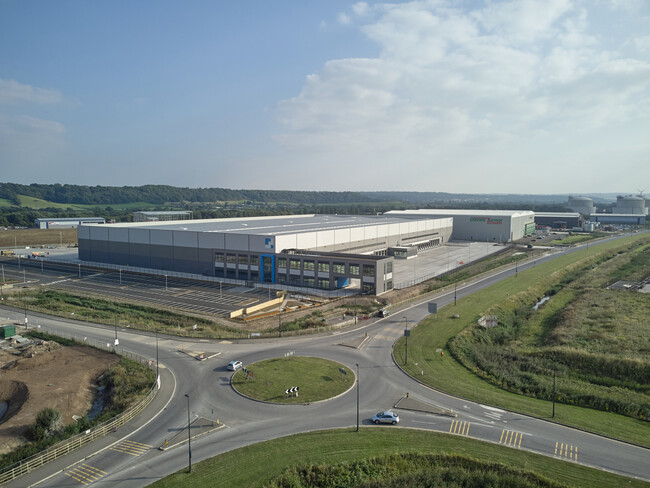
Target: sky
point(526, 96)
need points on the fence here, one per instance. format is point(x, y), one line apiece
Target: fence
point(65, 447)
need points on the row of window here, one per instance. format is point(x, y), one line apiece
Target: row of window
point(325, 267)
point(244, 259)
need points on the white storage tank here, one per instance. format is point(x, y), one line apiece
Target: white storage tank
point(582, 205)
point(631, 204)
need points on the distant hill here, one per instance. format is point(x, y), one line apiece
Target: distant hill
point(463, 198)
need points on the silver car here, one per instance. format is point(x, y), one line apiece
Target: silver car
point(385, 418)
point(234, 365)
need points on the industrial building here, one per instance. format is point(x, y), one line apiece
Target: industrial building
point(560, 220)
point(582, 205)
point(630, 205)
point(67, 222)
point(159, 216)
point(480, 225)
point(326, 252)
point(613, 218)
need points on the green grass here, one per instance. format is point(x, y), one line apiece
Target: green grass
point(120, 313)
point(573, 239)
point(317, 379)
point(256, 465)
point(448, 375)
point(5, 203)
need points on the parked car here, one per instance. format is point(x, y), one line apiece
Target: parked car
point(234, 365)
point(384, 313)
point(385, 418)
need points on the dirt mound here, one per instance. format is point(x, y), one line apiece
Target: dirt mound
point(14, 394)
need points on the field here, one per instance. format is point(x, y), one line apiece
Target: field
point(522, 337)
point(11, 238)
point(255, 466)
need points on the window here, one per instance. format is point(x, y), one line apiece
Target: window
point(325, 267)
point(243, 259)
point(310, 282)
point(231, 258)
point(389, 285)
point(294, 280)
point(324, 284)
point(388, 267)
point(218, 258)
point(368, 270)
point(255, 260)
point(308, 265)
point(294, 263)
point(338, 268)
point(354, 269)
point(282, 279)
point(282, 262)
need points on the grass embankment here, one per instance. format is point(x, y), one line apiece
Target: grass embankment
point(258, 464)
point(316, 378)
point(119, 313)
point(447, 374)
point(124, 384)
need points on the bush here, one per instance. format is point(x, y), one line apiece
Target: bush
point(49, 422)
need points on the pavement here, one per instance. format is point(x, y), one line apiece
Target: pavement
point(409, 403)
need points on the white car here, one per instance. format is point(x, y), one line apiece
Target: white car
point(234, 365)
point(385, 418)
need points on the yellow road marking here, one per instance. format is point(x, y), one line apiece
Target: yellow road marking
point(555, 448)
point(501, 438)
point(76, 479)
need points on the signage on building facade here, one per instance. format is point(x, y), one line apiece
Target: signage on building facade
point(486, 220)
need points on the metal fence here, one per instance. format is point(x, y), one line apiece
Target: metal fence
point(65, 447)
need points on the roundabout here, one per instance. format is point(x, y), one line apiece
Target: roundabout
point(293, 380)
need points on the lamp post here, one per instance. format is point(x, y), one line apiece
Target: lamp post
point(116, 341)
point(358, 381)
point(165, 282)
point(406, 336)
point(553, 416)
point(157, 371)
point(189, 438)
point(60, 239)
point(455, 287)
point(516, 267)
point(120, 277)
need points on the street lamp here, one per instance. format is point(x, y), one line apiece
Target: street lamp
point(358, 381)
point(455, 287)
point(165, 282)
point(157, 372)
point(406, 336)
point(189, 438)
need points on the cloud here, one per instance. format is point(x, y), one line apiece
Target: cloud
point(343, 18)
point(469, 86)
point(12, 91)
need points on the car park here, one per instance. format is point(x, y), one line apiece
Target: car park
point(234, 365)
point(385, 418)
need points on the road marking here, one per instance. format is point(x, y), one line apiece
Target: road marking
point(85, 473)
point(459, 427)
point(511, 438)
point(566, 451)
point(132, 448)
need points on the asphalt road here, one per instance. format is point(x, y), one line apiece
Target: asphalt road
point(245, 422)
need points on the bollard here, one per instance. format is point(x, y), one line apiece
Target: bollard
point(407, 395)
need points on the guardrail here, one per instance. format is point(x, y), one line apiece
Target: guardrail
point(67, 446)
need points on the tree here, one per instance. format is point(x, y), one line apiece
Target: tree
point(49, 422)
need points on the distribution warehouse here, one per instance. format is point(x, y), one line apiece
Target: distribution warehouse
point(480, 225)
point(316, 251)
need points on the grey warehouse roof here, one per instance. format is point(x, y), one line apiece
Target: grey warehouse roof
point(272, 226)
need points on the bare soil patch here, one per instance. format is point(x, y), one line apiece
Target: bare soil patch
point(47, 375)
